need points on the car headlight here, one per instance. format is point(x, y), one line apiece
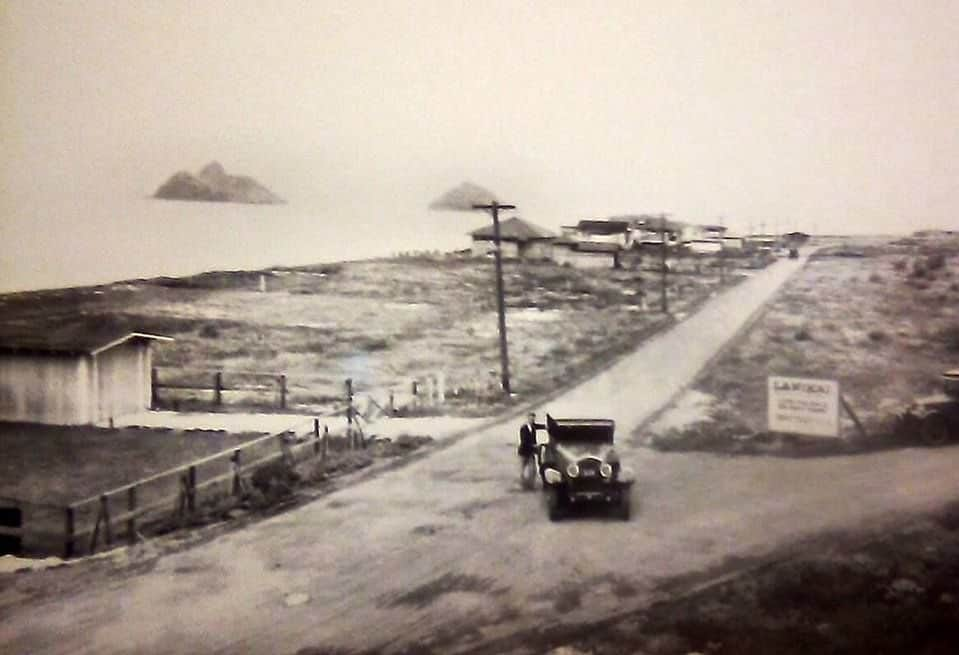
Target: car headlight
point(553, 476)
point(572, 470)
point(605, 470)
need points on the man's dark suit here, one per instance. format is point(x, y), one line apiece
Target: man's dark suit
point(527, 438)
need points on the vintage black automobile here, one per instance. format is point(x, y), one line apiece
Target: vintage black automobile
point(580, 467)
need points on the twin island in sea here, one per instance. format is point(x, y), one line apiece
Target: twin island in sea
point(212, 184)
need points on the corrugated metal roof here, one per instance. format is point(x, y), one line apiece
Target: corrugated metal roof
point(67, 340)
point(514, 229)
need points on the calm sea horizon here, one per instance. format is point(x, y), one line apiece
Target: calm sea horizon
point(101, 242)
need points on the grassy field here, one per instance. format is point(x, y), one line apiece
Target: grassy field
point(882, 319)
point(50, 464)
point(380, 323)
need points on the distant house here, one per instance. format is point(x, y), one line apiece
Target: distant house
point(732, 243)
point(73, 376)
point(610, 231)
point(519, 239)
point(703, 239)
point(585, 254)
point(646, 233)
point(762, 242)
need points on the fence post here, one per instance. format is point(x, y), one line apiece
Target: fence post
point(325, 448)
point(430, 390)
point(132, 507)
point(191, 489)
point(69, 532)
point(154, 381)
point(218, 388)
point(285, 451)
point(237, 482)
point(392, 404)
point(349, 411)
point(107, 528)
point(316, 437)
point(282, 381)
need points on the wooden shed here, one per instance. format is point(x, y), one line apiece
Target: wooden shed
point(74, 376)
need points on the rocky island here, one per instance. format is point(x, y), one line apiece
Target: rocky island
point(212, 184)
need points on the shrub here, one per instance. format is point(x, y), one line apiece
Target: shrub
point(900, 265)
point(803, 334)
point(875, 277)
point(374, 344)
point(274, 481)
point(877, 336)
point(950, 337)
point(935, 261)
point(209, 331)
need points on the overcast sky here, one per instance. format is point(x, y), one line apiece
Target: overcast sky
point(838, 116)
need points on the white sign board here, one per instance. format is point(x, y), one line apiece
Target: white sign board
point(803, 406)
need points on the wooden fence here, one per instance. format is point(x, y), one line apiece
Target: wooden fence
point(428, 390)
point(119, 515)
point(212, 381)
point(24, 523)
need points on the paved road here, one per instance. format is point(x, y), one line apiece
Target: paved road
point(448, 550)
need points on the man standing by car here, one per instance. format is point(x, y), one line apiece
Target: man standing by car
point(528, 445)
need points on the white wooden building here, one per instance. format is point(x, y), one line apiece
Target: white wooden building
point(73, 376)
point(584, 254)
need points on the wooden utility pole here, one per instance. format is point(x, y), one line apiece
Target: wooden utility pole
point(494, 208)
point(665, 271)
point(722, 251)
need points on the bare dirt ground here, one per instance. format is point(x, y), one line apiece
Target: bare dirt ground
point(882, 319)
point(47, 464)
point(842, 593)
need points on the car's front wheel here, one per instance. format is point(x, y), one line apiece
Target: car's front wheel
point(624, 509)
point(555, 504)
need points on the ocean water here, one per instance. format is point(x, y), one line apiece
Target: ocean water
point(93, 242)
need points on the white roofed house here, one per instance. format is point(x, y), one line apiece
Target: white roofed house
point(647, 231)
point(703, 239)
point(593, 243)
point(586, 254)
point(612, 231)
point(73, 375)
point(519, 239)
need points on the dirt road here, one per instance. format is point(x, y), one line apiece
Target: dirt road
point(447, 554)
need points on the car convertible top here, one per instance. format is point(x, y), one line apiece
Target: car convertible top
point(595, 430)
